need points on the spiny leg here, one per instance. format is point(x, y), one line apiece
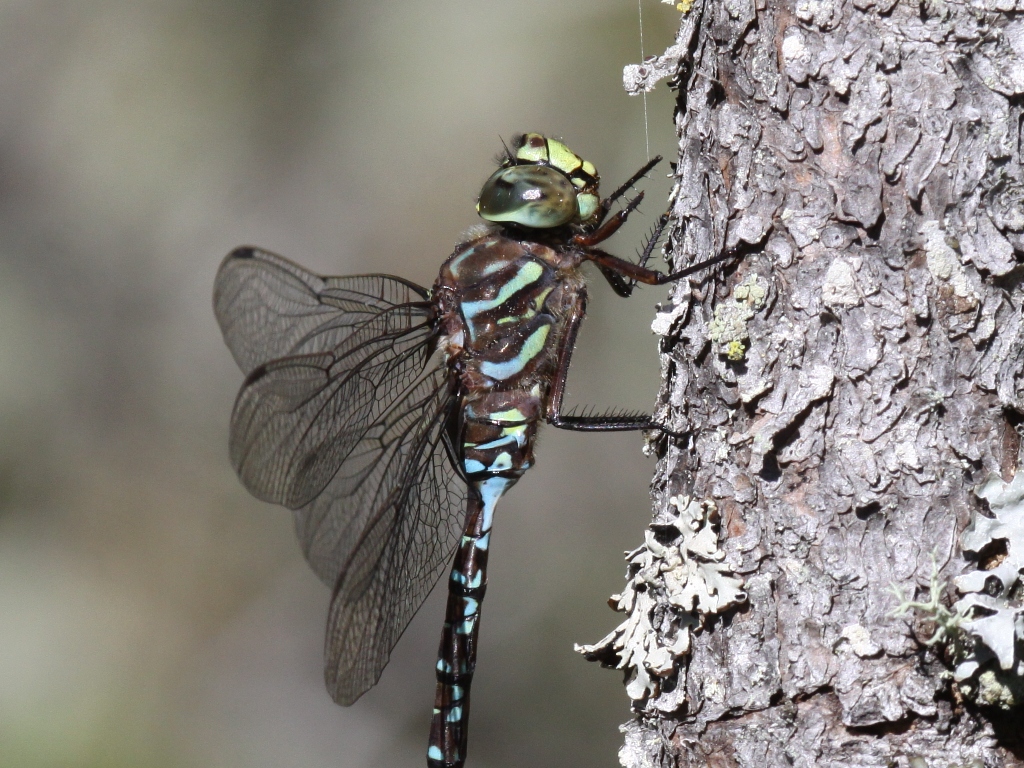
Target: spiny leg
point(615, 270)
point(609, 422)
point(609, 201)
point(621, 285)
point(652, 239)
point(641, 274)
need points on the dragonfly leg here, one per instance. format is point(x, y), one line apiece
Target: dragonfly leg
point(609, 227)
point(641, 274)
point(607, 203)
point(620, 284)
point(607, 422)
point(456, 657)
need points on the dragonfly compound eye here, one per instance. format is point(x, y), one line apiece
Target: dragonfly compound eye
point(534, 196)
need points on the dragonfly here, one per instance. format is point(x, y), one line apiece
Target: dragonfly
point(391, 418)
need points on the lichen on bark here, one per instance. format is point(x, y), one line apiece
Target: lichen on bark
point(991, 668)
point(677, 582)
point(864, 158)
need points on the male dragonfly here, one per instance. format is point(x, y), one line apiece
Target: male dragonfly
point(391, 418)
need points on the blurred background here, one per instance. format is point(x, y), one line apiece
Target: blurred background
point(152, 613)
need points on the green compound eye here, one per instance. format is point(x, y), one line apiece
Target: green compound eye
point(533, 196)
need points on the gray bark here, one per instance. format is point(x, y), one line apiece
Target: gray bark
point(845, 388)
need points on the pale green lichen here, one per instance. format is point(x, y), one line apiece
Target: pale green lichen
point(995, 688)
point(947, 623)
point(728, 327)
point(735, 350)
point(687, 576)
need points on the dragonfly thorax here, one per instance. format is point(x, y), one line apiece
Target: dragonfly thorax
point(506, 302)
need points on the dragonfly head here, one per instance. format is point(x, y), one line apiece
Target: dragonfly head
point(541, 184)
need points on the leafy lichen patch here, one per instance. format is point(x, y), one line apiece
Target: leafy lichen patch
point(984, 630)
point(680, 565)
point(992, 606)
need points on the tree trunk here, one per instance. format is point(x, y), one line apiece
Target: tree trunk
point(845, 389)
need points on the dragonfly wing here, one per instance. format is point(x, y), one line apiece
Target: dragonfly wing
point(341, 350)
point(401, 502)
point(346, 425)
point(297, 419)
point(269, 307)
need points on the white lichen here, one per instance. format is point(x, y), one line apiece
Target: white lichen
point(983, 632)
point(992, 606)
point(839, 290)
point(675, 581)
point(860, 640)
point(667, 317)
point(728, 328)
point(794, 48)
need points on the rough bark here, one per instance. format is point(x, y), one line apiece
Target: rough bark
point(845, 388)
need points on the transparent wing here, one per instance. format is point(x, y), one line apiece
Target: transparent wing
point(411, 503)
point(269, 307)
point(297, 419)
point(348, 428)
point(342, 350)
